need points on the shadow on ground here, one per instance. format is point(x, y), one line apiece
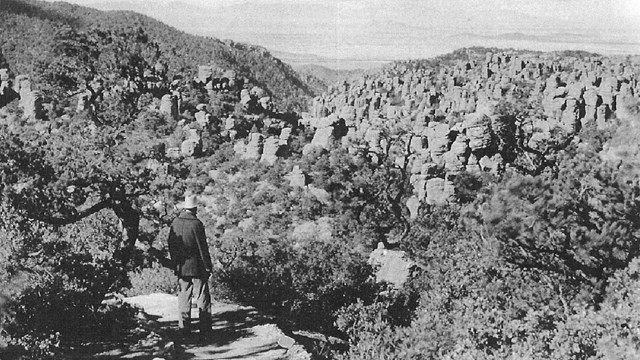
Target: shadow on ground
point(237, 333)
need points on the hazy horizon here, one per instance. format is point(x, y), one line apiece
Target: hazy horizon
point(363, 33)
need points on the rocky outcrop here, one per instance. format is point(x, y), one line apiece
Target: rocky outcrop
point(203, 118)
point(297, 178)
point(31, 104)
point(477, 128)
point(169, 106)
point(392, 266)
point(452, 116)
point(254, 147)
point(270, 151)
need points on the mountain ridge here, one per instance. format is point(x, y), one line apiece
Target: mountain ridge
point(29, 27)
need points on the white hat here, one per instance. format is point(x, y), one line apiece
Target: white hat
point(189, 202)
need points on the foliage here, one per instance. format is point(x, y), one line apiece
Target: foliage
point(607, 332)
point(55, 281)
point(365, 197)
point(473, 305)
point(30, 34)
point(154, 279)
point(583, 221)
point(539, 262)
point(308, 283)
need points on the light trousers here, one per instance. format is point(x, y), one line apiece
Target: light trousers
point(190, 287)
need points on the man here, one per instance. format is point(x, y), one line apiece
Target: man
point(190, 255)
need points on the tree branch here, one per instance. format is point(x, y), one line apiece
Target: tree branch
point(66, 220)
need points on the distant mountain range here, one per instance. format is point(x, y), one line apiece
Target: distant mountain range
point(298, 61)
point(556, 37)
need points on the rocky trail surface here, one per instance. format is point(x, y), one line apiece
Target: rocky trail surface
point(239, 332)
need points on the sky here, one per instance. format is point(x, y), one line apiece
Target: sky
point(584, 11)
point(382, 30)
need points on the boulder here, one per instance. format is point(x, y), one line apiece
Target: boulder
point(31, 104)
point(472, 165)
point(348, 113)
point(191, 147)
point(270, 150)
point(418, 144)
point(477, 127)
point(203, 118)
point(570, 116)
point(494, 164)
point(83, 101)
point(591, 97)
point(205, 72)
point(438, 139)
point(266, 104)
point(257, 92)
point(169, 106)
point(324, 137)
point(607, 97)
point(589, 114)
point(22, 85)
point(455, 159)
point(296, 177)
point(373, 137)
point(254, 147)
point(173, 153)
point(230, 123)
point(439, 191)
point(603, 113)
point(192, 133)
point(285, 135)
point(575, 90)
point(413, 204)
point(392, 266)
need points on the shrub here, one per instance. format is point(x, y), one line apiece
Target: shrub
point(153, 280)
point(307, 284)
point(609, 332)
point(53, 284)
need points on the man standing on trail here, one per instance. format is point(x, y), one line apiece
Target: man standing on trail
point(190, 255)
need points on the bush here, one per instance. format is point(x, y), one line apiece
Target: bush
point(153, 280)
point(609, 332)
point(306, 284)
point(54, 309)
point(53, 283)
point(472, 305)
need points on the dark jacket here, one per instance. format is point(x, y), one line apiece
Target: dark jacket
point(188, 246)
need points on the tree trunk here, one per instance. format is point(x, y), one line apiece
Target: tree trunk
point(130, 227)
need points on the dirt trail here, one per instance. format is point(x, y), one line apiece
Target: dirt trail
point(239, 332)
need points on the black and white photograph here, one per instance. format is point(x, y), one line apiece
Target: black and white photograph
point(320, 180)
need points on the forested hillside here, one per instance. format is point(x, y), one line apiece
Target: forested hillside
point(484, 204)
point(32, 32)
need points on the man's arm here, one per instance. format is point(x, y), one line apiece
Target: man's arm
point(204, 248)
point(175, 249)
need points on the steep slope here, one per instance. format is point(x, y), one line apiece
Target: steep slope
point(30, 30)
